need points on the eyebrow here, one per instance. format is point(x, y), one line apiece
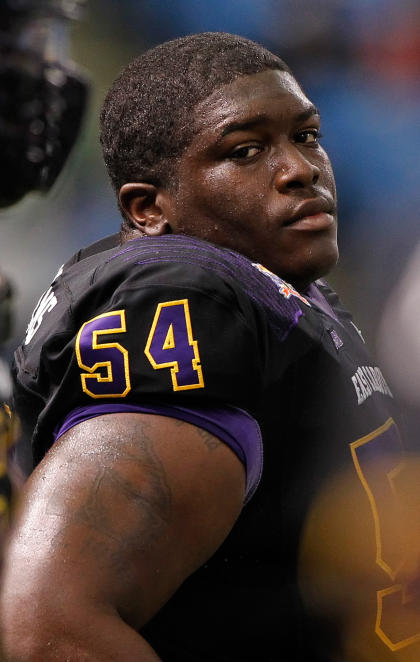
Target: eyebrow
point(252, 122)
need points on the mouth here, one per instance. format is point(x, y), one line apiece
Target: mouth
point(312, 215)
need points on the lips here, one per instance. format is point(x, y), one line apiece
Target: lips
point(309, 208)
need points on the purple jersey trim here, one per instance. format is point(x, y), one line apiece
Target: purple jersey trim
point(231, 425)
point(316, 297)
point(179, 249)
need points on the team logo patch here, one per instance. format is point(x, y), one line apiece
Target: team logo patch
point(335, 338)
point(284, 288)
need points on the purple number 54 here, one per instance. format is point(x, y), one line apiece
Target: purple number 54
point(170, 344)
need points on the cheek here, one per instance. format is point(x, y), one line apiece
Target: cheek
point(327, 171)
point(315, 258)
point(228, 197)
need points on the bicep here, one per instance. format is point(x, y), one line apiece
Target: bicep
point(123, 509)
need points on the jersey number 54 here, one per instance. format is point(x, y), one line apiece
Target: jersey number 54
point(170, 344)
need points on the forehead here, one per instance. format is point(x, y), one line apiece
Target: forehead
point(269, 92)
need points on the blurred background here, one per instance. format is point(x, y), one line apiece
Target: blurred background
point(358, 61)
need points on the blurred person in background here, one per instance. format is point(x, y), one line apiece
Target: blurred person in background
point(399, 342)
point(42, 99)
point(218, 455)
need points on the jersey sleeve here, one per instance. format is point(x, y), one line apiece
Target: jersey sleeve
point(164, 333)
point(189, 337)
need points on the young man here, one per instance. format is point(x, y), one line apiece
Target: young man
point(196, 388)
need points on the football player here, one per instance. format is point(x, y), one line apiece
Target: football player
point(194, 390)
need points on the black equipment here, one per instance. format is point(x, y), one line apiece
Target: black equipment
point(42, 94)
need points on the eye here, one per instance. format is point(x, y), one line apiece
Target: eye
point(308, 137)
point(245, 152)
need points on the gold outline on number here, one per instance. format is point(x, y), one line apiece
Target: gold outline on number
point(174, 365)
point(91, 374)
point(391, 475)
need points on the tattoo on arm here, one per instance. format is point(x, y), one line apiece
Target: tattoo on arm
point(127, 476)
point(120, 466)
point(210, 441)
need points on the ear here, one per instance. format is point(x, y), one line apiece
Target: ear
point(145, 205)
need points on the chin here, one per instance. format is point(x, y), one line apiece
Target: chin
point(327, 264)
point(313, 266)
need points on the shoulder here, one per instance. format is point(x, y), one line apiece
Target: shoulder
point(169, 319)
point(108, 275)
point(177, 261)
point(177, 273)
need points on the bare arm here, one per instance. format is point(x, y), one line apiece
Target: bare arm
point(119, 513)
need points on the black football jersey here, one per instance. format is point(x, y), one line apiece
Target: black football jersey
point(180, 321)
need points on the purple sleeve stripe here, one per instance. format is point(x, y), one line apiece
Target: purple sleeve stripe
point(232, 425)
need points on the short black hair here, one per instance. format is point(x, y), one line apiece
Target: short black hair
point(146, 119)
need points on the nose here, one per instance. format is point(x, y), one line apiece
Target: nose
point(295, 170)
